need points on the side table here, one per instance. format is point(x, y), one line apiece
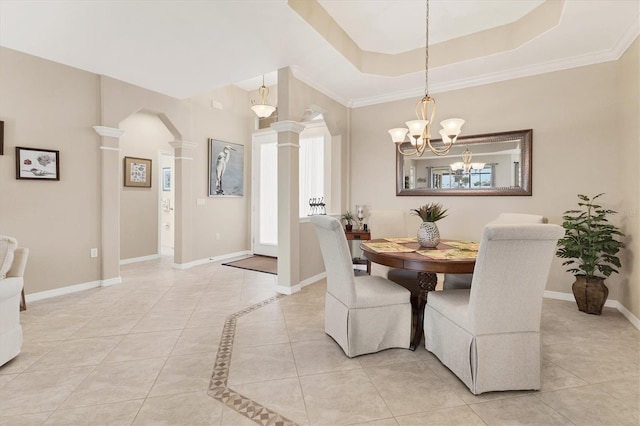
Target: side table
point(359, 235)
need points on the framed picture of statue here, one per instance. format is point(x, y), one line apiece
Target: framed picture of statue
point(226, 169)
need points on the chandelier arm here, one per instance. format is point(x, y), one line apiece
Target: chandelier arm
point(439, 151)
point(414, 151)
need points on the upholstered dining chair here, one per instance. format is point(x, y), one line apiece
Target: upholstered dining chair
point(453, 281)
point(363, 314)
point(489, 335)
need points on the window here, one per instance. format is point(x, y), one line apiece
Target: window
point(312, 167)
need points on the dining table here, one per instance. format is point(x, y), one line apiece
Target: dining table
point(448, 257)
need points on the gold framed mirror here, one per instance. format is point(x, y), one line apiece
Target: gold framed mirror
point(489, 164)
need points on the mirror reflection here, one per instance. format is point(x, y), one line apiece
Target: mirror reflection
point(491, 164)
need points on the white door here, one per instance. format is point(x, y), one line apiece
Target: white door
point(166, 222)
point(265, 194)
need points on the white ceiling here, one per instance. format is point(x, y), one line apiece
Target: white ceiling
point(187, 48)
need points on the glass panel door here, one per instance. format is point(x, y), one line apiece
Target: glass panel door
point(265, 194)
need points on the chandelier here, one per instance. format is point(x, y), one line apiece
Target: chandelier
point(420, 130)
point(466, 165)
point(262, 109)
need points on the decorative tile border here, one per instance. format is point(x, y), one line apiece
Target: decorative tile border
point(218, 385)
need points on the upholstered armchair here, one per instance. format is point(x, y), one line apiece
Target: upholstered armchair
point(489, 335)
point(12, 264)
point(453, 281)
point(363, 314)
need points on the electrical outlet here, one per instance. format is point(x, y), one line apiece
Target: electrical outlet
point(217, 235)
point(94, 252)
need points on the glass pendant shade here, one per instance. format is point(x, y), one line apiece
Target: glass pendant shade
point(457, 166)
point(452, 127)
point(416, 127)
point(398, 134)
point(445, 138)
point(477, 166)
point(263, 110)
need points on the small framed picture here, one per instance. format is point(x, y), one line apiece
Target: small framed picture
point(137, 172)
point(33, 163)
point(166, 178)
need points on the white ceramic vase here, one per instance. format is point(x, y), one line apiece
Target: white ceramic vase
point(428, 234)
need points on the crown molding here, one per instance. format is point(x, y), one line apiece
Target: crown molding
point(528, 71)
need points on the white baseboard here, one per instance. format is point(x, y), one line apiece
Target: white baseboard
point(609, 304)
point(229, 256)
point(296, 288)
point(283, 289)
point(629, 316)
point(139, 259)
point(61, 291)
point(313, 279)
point(111, 281)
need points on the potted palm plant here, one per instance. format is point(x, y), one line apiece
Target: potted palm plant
point(348, 219)
point(428, 233)
point(590, 246)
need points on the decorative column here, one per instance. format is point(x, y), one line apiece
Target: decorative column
point(288, 206)
point(183, 253)
point(110, 208)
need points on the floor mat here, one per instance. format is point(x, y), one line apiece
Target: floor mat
point(264, 264)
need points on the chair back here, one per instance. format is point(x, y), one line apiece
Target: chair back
point(520, 218)
point(337, 258)
point(510, 276)
point(393, 223)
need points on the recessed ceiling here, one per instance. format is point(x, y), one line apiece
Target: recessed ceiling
point(395, 26)
point(184, 49)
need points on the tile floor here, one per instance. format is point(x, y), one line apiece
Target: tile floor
point(144, 352)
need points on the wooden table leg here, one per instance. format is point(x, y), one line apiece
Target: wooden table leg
point(427, 282)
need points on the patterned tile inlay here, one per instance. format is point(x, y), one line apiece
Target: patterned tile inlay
point(218, 385)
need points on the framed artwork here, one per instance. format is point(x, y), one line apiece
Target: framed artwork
point(226, 169)
point(32, 163)
point(166, 178)
point(1, 137)
point(137, 172)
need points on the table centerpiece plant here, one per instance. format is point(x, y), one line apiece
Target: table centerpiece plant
point(428, 233)
point(590, 246)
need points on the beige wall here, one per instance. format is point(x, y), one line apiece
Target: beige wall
point(295, 98)
point(226, 216)
point(51, 106)
point(573, 115)
point(61, 221)
point(628, 69)
point(145, 136)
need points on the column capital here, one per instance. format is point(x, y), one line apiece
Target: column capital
point(287, 126)
point(183, 145)
point(109, 132)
